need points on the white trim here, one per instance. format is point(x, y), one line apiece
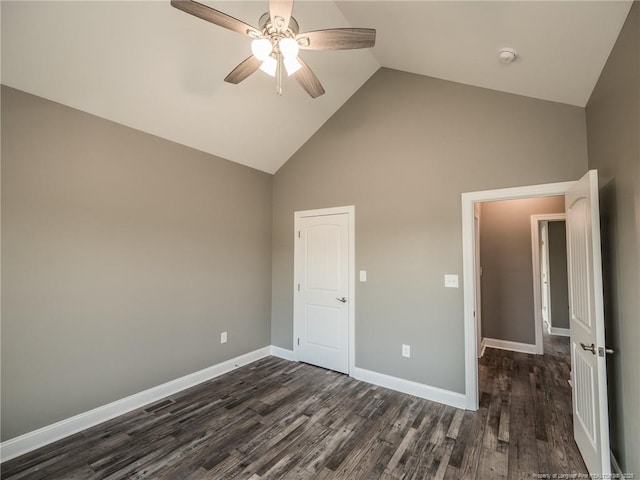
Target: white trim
point(319, 212)
point(483, 347)
point(283, 353)
point(615, 466)
point(409, 387)
point(468, 201)
point(350, 210)
point(508, 345)
point(536, 220)
point(551, 217)
point(352, 287)
point(477, 214)
point(43, 436)
point(563, 332)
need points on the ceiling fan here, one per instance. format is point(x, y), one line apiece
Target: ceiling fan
point(277, 40)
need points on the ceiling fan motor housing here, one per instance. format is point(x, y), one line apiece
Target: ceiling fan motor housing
point(269, 30)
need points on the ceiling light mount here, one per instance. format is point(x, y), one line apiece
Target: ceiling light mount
point(507, 55)
point(277, 48)
point(268, 29)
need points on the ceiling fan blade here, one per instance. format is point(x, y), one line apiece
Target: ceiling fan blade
point(280, 13)
point(242, 71)
point(216, 17)
point(308, 80)
point(337, 39)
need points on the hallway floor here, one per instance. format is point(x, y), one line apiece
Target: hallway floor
point(529, 406)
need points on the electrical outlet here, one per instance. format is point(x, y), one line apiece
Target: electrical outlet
point(406, 351)
point(223, 337)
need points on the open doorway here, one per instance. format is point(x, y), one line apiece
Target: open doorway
point(587, 340)
point(508, 254)
point(469, 201)
point(550, 280)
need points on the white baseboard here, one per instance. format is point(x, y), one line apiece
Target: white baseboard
point(283, 353)
point(563, 332)
point(51, 433)
point(394, 383)
point(483, 347)
point(458, 400)
point(513, 346)
point(43, 436)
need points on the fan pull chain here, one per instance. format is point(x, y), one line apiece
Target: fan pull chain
point(279, 69)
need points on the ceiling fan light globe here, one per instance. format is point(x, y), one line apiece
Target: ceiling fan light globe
point(289, 48)
point(269, 66)
point(261, 48)
point(292, 65)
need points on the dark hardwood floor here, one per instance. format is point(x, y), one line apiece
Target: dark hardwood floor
point(277, 419)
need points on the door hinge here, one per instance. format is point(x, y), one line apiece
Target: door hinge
point(298, 233)
point(298, 340)
point(298, 287)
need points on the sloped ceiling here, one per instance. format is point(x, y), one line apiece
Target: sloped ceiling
point(149, 66)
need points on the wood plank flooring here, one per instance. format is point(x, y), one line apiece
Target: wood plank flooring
point(276, 419)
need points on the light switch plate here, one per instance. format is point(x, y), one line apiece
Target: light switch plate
point(363, 275)
point(451, 281)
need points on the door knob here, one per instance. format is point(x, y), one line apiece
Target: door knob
point(591, 348)
point(343, 299)
point(603, 350)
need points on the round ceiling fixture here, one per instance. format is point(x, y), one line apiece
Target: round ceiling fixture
point(507, 55)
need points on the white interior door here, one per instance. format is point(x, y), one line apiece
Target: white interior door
point(588, 362)
point(322, 291)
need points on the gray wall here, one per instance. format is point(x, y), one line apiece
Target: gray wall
point(402, 150)
point(613, 129)
point(507, 267)
point(123, 258)
point(558, 277)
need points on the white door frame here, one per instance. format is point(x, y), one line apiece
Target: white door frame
point(536, 221)
point(350, 211)
point(468, 269)
point(478, 277)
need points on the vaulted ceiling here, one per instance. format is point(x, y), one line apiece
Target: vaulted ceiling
point(152, 67)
